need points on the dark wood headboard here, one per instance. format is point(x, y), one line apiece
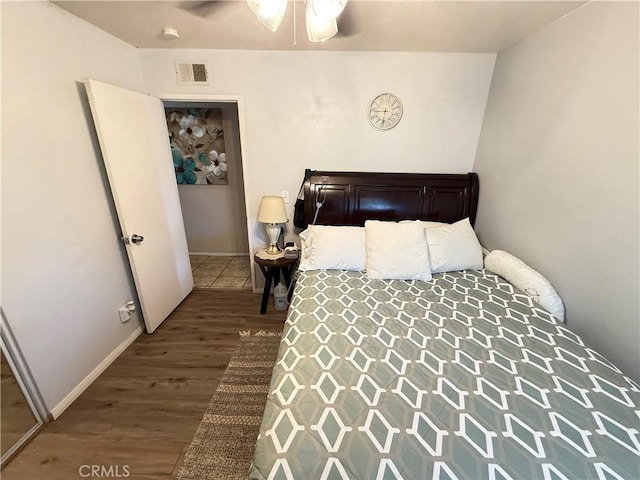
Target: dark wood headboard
point(351, 198)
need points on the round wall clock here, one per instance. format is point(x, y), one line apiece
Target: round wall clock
point(385, 111)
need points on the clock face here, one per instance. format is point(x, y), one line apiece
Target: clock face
point(385, 111)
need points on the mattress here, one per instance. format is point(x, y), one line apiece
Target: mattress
point(460, 377)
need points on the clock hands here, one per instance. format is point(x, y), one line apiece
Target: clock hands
point(385, 111)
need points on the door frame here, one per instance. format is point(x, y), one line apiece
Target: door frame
point(237, 99)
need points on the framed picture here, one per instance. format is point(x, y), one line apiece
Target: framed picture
point(197, 145)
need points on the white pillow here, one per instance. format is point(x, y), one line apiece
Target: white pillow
point(530, 281)
point(397, 251)
point(426, 223)
point(325, 247)
point(454, 247)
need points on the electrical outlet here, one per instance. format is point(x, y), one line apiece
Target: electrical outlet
point(125, 312)
point(285, 196)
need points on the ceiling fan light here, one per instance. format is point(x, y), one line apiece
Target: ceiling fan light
point(319, 30)
point(328, 9)
point(270, 12)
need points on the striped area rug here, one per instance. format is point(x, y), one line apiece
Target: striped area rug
point(223, 446)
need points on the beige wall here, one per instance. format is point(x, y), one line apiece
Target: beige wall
point(215, 219)
point(64, 269)
point(563, 112)
point(558, 164)
point(308, 110)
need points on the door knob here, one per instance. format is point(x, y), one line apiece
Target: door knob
point(135, 238)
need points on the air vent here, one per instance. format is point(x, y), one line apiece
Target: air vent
point(192, 73)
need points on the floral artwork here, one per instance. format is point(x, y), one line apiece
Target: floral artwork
point(197, 145)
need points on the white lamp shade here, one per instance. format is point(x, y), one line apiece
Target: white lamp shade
point(328, 9)
point(270, 12)
point(319, 30)
point(272, 210)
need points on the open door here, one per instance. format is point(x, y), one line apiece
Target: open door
point(135, 148)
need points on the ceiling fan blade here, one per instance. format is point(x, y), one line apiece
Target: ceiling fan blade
point(346, 24)
point(200, 8)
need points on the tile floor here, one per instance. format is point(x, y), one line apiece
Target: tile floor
point(220, 272)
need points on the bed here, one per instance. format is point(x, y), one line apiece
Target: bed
point(461, 376)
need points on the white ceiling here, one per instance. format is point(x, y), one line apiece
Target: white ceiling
point(396, 25)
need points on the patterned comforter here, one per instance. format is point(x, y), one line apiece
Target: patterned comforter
point(461, 377)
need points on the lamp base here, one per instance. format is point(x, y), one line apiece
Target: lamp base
point(273, 232)
point(273, 249)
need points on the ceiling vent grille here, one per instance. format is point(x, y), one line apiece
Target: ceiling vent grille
point(192, 73)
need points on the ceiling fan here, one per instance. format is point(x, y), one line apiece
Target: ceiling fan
point(320, 15)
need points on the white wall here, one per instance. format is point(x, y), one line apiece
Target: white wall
point(307, 110)
point(215, 219)
point(558, 166)
point(64, 271)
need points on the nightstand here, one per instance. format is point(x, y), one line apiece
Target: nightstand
point(271, 271)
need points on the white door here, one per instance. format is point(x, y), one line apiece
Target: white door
point(135, 148)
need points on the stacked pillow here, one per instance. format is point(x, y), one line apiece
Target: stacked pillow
point(454, 247)
point(326, 247)
point(397, 251)
point(408, 250)
point(414, 250)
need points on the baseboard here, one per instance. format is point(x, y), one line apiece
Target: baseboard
point(89, 379)
point(215, 254)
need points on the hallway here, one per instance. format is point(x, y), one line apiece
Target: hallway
point(218, 272)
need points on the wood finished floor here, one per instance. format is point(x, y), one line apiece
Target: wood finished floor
point(145, 408)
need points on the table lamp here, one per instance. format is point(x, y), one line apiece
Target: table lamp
point(272, 212)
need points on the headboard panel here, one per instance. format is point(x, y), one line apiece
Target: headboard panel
point(351, 198)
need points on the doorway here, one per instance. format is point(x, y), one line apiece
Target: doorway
point(214, 213)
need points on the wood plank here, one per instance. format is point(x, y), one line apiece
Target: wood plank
point(145, 408)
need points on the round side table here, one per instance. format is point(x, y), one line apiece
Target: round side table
point(271, 270)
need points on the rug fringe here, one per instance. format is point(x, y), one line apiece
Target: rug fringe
point(261, 333)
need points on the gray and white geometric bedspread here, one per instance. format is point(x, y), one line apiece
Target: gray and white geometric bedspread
point(460, 377)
